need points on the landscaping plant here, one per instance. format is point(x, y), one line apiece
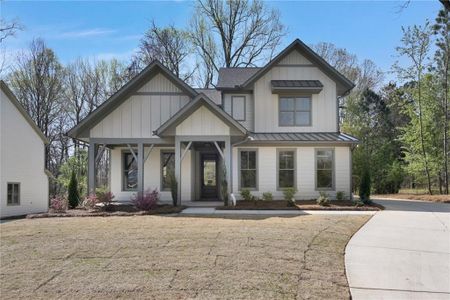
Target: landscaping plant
point(224, 187)
point(90, 201)
point(323, 199)
point(267, 196)
point(289, 194)
point(173, 188)
point(58, 204)
point(246, 195)
point(105, 197)
point(147, 200)
point(73, 193)
point(340, 196)
point(364, 188)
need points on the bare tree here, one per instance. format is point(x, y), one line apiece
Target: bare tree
point(9, 28)
point(234, 33)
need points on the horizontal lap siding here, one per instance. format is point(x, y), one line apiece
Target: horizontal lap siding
point(305, 171)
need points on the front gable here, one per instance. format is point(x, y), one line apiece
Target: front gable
point(294, 58)
point(202, 122)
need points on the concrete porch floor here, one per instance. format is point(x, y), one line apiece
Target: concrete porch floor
point(202, 203)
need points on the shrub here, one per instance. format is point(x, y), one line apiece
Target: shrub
point(224, 187)
point(90, 201)
point(246, 195)
point(58, 204)
point(364, 188)
point(359, 203)
point(340, 195)
point(323, 199)
point(74, 194)
point(147, 200)
point(289, 194)
point(173, 188)
point(267, 196)
point(105, 197)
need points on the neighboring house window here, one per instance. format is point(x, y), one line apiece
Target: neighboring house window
point(286, 169)
point(130, 171)
point(13, 197)
point(167, 168)
point(295, 111)
point(238, 108)
point(324, 169)
point(248, 169)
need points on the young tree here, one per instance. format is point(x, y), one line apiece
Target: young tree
point(235, 33)
point(73, 192)
point(415, 47)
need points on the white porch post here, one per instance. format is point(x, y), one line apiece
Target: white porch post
point(91, 167)
point(140, 163)
point(178, 168)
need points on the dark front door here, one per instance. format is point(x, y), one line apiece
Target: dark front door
point(208, 176)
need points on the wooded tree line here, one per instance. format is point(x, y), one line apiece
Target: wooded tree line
point(402, 125)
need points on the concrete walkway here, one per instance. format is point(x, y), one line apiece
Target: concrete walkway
point(213, 211)
point(401, 253)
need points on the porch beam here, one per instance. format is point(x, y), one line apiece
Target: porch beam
point(185, 151)
point(149, 151)
point(91, 168)
point(140, 164)
point(219, 150)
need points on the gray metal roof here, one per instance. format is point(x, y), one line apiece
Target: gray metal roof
point(297, 83)
point(212, 94)
point(232, 77)
point(312, 137)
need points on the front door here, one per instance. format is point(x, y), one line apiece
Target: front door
point(208, 176)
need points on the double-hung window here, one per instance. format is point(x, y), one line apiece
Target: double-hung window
point(130, 172)
point(286, 169)
point(295, 111)
point(167, 169)
point(325, 169)
point(248, 169)
point(13, 193)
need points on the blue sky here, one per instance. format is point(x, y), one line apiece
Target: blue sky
point(105, 29)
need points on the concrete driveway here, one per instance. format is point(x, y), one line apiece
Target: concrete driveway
point(403, 252)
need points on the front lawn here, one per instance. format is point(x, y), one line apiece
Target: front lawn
point(166, 257)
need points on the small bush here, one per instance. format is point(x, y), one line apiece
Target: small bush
point(58, 204)
point(359, 203)
point(90, 201)
point(247, 195)
point(224, 187)
point(323, 199)
point(74, 194)
point(289, 194)
point(267, 196)
point(340, 196)
point(365, 185)
point(105, 197)
point(146, 201)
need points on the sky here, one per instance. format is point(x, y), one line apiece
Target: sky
point(107, 29)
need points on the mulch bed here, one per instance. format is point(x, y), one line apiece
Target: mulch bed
point(119, 210)
point(300, 205)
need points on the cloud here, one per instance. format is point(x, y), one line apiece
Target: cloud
point(84, 33)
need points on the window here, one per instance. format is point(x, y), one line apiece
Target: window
point(286, 169)
point(13, 197)
point(295, 111)
point(130, 171)
point(238, 108)
point(324, 169)
point(248, 169)
point(167, 169)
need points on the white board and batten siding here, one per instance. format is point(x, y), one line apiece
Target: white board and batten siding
point(202, 122)
point(22, 160)
point(248, 123)
point(305, 171)
point(295, 67)
point(141, 114)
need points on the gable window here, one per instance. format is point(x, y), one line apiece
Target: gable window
point(325, 169)
point(130, 171)
point(13, 193)
point(248, 169)
point(167, 169)
point(238, 108)
point(295, 111)
point(286, 169)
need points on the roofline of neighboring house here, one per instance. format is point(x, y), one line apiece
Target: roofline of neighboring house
point(118, 97)
point(10, 95)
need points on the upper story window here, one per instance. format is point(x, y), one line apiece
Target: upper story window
point(238, 108)
point(295, 111)
point(13, 193)
point(129, 182)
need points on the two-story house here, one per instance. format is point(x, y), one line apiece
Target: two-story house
point(264, 129)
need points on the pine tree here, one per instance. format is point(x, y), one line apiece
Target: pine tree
point(74, 194)
point(364, 188)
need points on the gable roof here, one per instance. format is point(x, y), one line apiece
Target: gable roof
point(10, 95)
point(125, 91)
point(230, 78)
point(191, 107)
point(343, 84)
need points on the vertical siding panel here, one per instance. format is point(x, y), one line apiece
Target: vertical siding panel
point(145, 117)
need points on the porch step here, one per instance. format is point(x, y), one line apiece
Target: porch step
point(202, 203)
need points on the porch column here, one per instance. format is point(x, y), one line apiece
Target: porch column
point(91, 168)
point(227, 155)
point(140, 164)
point(178, 168)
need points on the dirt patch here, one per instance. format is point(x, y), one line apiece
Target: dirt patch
point(424, 197)
point(299, 205)
point(162, 257)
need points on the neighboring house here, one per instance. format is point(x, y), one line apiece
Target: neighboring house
point(270, 128)
point(23, 178)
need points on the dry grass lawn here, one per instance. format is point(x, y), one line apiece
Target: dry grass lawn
point(163, 257)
